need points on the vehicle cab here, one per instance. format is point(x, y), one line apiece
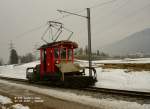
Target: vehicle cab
point(54, 54)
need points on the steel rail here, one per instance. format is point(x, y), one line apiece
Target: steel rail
point(137, 94)
point(119, 92)
point(13, 79)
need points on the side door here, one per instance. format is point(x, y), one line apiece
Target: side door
point(50, 60)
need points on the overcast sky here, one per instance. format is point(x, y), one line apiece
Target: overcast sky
point(110, 22)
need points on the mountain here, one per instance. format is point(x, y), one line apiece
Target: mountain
point(137, 42)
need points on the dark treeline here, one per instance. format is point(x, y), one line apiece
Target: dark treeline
point(15, 58)
point(82, 53)
point(27, 58)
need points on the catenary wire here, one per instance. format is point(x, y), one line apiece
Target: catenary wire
point(30, 31)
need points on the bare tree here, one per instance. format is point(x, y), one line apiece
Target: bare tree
point(27, 58)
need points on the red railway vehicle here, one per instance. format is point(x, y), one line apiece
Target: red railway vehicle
point(57, 66)
point(57, 62)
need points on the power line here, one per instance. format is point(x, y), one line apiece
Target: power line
point(111, 13)
point(101, 4)
point(39, 27)
point(42, 37)
point(95, 6)
point(68, 15)
point(30, 31)
point(116, 9)
point(125, 17)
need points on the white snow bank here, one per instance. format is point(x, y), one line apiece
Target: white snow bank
point(101, 103)
point(5, 100)
point(20, 106)
point(16, 71)
point(120, 79)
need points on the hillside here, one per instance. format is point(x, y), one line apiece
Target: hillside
point(137, 42)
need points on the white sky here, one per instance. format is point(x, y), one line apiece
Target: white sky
point(110, 22)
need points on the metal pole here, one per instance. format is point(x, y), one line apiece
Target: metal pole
point(89, 41)
point(89, 35)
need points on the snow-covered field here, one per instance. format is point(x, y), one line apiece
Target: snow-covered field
point(16, 71)
point(107, 78)
point(120, 79)
point(126, 60)
point(118, 61)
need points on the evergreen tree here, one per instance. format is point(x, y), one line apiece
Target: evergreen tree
point(98, 53)
point(13, 57)
point(1, 62)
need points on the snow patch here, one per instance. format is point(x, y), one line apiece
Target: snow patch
point(5, 100)
point(20, 106)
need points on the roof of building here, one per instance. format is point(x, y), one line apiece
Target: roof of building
point(63, 43)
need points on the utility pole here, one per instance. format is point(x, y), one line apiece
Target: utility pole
point(89, 35)
point(89, 41)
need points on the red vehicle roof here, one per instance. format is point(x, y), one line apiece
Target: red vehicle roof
point(64, 43)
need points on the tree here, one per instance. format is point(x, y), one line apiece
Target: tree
point(1, 62)
point(102, 54)
point(27, 58)
point(80, 51)
point(98, 53)
point(86, 50)
point(13, 57)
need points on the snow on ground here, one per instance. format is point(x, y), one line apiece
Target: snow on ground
point(16, 71)
point(107, 78)
point(126, 60)
point(5, 100)
point(87, 100)
point(117, 61)
point(120, 79)
point(19, 106)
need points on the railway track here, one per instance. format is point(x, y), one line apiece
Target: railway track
point(119, 92)
point(13, 79)
point(137, 94)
